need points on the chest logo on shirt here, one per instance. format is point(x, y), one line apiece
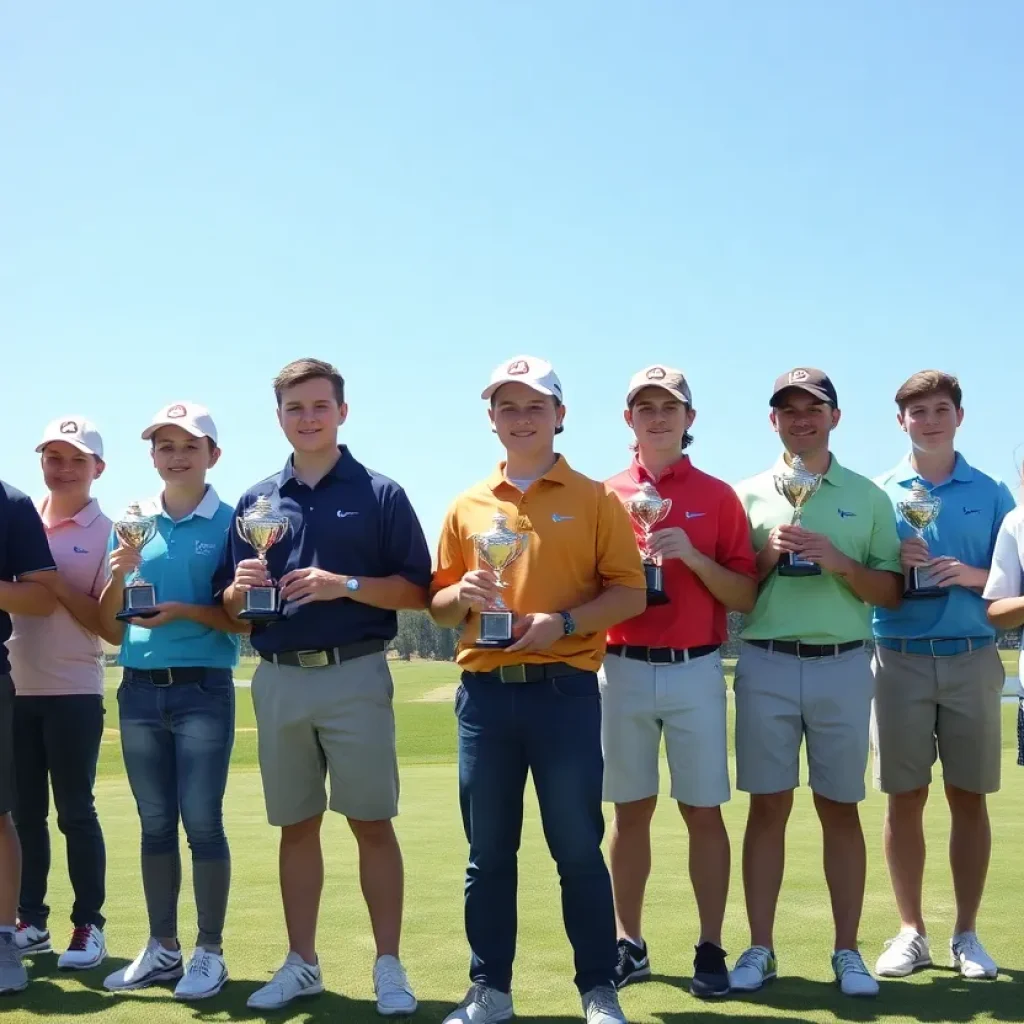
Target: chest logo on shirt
point(843, 514)
point(345, 515)
point(80, 551)
point(970, 511)
point(205, 547)
point(558, 518)
point(695, 515)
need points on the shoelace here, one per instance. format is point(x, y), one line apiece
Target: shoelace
point(478, 994)
point(23, 927)
point(200, 964)
point(391, 975)
point(709, 959)
point(79, 939)
point(8, 950)
point(849, 961)
point(969, 947)
point(605, 1000)
point(904, 943)
point(753, 958)
point(302, 974)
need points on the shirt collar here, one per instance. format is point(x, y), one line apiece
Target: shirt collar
point(962, 472)
point(206, 509)
point(558, 474)
point(835, 474)
point(343, 469)
point(679, 470)
point(85, 517)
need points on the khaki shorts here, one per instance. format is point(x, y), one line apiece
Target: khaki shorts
point(686, 703)
point(782, 698)
point(947, 707)
point(336, 720)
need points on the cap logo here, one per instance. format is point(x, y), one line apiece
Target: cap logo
point(69, 427)
point(655, 373)
point(176, 412)
point(518, 368)
point(798, 376)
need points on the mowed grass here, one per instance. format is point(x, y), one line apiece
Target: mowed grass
point(434, 947)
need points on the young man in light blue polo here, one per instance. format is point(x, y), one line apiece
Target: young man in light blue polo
point(938, 676)
point(177, 703)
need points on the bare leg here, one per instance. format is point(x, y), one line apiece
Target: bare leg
point(970, 846)
point(709, 868)
point(10, 872)
point(629, 848)
point(845, 866)
point(301, 866)
point(905, 854)
point(764, 861)
point(381, 875)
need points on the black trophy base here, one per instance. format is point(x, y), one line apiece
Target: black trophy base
point(138, 602)
point(920, 589)
point(262, 604)
point(655, 576)
point(495, 630)
point(791, 565)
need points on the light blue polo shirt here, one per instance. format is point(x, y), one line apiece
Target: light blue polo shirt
point(973, 506)
point(180, 562)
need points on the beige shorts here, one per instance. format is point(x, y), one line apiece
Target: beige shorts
point(686, 703)
point(780, 700)
point(336, 720)
point(946, 707)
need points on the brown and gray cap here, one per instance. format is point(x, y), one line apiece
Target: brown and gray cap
point(663, 377)
point(806, 378)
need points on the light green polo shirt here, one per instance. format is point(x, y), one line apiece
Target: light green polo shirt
point(855, 514)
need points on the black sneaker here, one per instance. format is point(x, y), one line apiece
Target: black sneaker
point(710, 975)
point(633, 964)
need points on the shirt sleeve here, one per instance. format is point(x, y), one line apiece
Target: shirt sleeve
point(449, 560)
point(618, 555)
point(1005, 504)
point(405, 547)
point(884, 549)
point(734, 549)
point(1004, 576)
point(28, 550)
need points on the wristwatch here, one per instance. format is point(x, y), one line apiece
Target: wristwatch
point(568, 623)
point(351, 583)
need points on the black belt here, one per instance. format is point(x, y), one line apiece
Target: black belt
point(168, 676)
point(662, 655)
point(315, 658)
point(530, 673)
point(802, 650)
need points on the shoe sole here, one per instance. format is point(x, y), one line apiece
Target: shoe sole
point(305, 994)
point(384, 1012)
point(974, 977)
point(83, 967)
point(764, 981)
point(195, 997)
point(709, 993)
point(641, 974)
point(36, 947)
point(919, 965)
point(154, 979)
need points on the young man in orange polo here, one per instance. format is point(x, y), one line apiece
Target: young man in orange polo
point(535, 705)
point(663, 675)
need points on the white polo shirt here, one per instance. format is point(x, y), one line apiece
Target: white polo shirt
point(1006, 577)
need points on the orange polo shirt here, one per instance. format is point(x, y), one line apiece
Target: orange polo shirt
point(580, 542)
point(710, 512)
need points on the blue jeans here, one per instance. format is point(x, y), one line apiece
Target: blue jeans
point(177, 743)
point(552, 728)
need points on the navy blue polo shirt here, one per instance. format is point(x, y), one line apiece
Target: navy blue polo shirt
point(24, 549)
point(354, 522)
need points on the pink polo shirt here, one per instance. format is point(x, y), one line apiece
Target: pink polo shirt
point(55, 656)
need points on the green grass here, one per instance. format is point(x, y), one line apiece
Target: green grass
point(434, 948)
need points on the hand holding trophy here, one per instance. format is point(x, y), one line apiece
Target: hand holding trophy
point(261, 528)
point(498, 548)
point(646, 510)
point(135, 530)
point(797, 484)
point(919, 511)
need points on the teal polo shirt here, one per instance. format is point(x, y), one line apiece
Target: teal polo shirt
point(973, 506)
point(180, 562)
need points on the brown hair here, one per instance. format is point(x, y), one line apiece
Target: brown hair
point(301, 370)
point(929, 382)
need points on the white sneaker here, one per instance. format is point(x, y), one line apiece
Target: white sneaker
point(903, 955)
point(968, 956)
point(86, 949)
point(30, 939)
point(204, 977)
point(152, 965)
point(601, 1006)
point(754, 967)
point(390, 983)
point(482, 1005)
point(852, 974)
point(294, 980)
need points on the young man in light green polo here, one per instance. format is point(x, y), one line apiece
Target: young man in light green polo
point(804, 670)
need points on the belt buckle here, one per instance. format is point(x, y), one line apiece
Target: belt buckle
point(312, 659)
point(170, 677)
point(512, 673)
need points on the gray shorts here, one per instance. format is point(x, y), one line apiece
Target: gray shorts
point(782, 698)
point(686, 703)
point(6, 744)
point(336, 720)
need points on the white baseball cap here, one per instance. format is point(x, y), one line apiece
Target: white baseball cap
point(190, 416)
point(76, 430)
point(529, 370)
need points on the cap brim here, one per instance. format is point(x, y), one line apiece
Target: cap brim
point(674, 392)
point(815, 392)
point(80, 445)
point(539, 388)
point(154, 427)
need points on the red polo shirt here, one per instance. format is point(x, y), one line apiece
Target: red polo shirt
point(710, 512)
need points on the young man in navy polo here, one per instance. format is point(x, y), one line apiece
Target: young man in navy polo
point(353, 556)
point(24, 554)
point(939, 678)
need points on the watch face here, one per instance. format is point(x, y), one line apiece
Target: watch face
point(352, 584)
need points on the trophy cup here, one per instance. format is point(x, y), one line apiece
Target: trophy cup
point(498, 548)
point(797, 485)
point(261, 528)
point(135, 530)
point(646, 510)
point(919, 511)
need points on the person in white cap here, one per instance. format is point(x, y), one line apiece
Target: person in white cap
point(57, 667)
point(177, 703)
point(534, 705)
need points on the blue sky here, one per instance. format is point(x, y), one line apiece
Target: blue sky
point(193, 195)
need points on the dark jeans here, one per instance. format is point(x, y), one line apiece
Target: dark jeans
point(57, 743)
point(177, 742)
point(552, 728)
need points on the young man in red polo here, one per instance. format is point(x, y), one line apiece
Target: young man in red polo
point(663, 675)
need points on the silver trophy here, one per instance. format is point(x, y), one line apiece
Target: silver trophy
point(919, 511)
point(797, 484)
point(261, 528)
point(647, 509)
point(498, 548)
point(135, 530)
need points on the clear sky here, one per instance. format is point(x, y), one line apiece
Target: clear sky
point(193, 194)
